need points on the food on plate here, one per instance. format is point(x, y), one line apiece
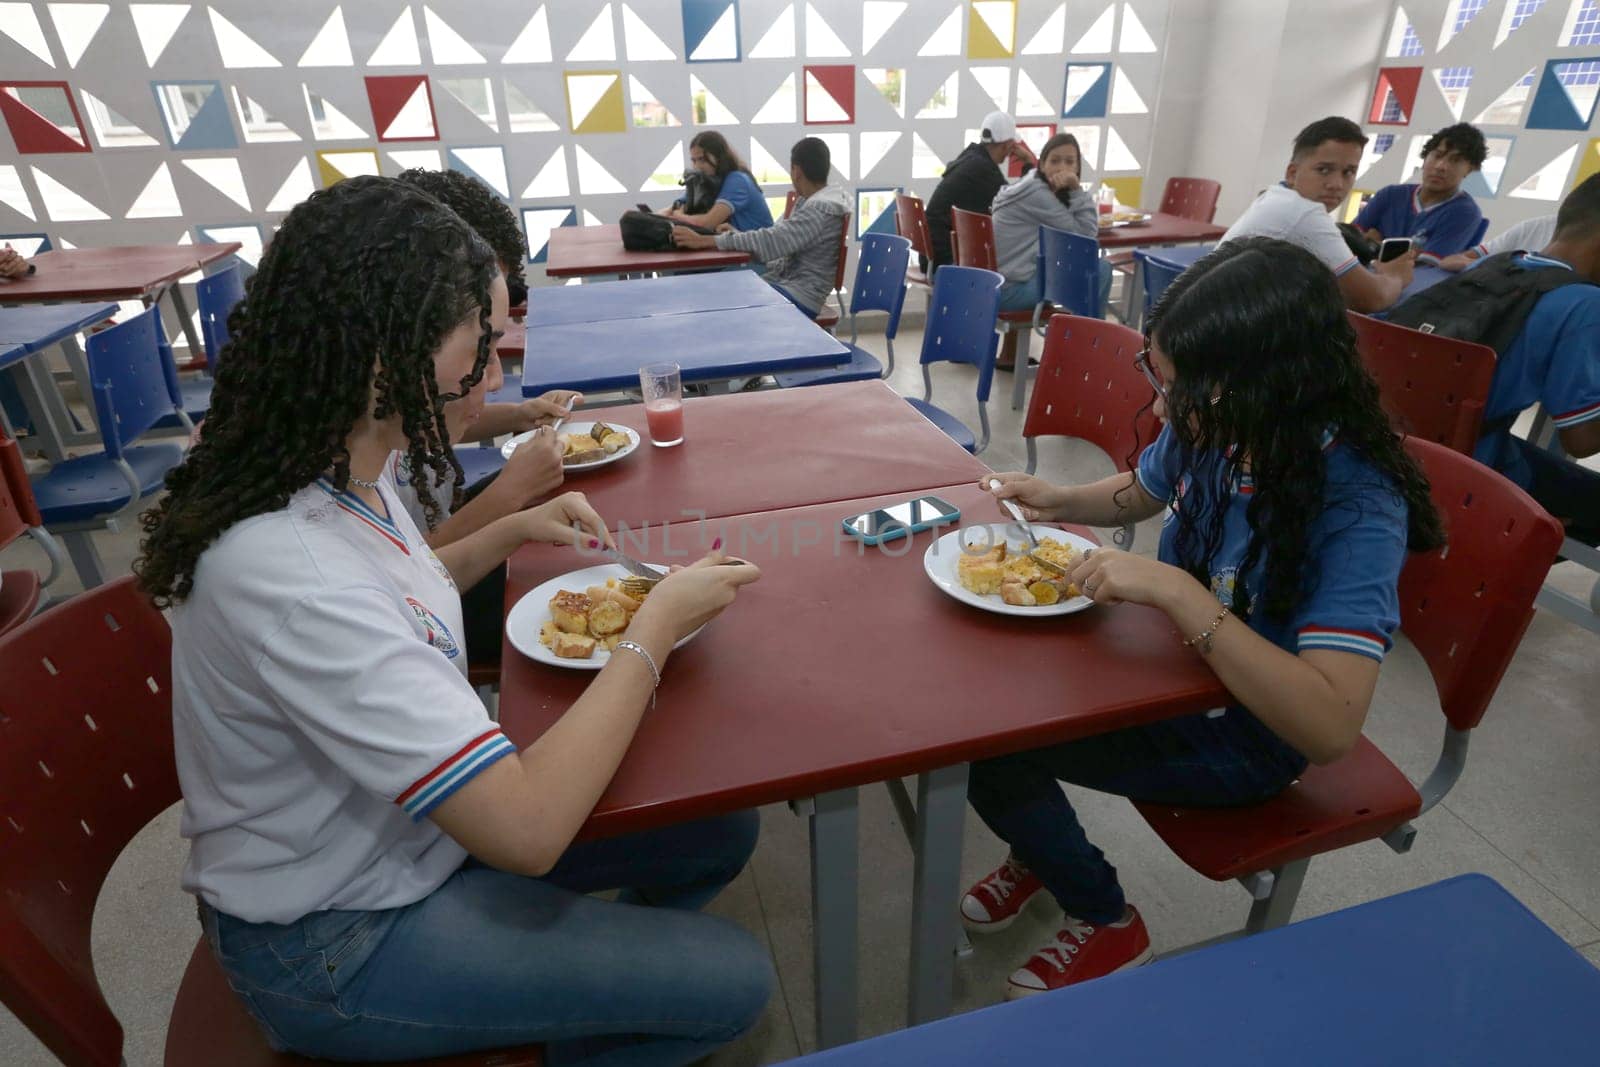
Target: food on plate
point(596, 443)
point(1129, 216)
point(579, 623)
point(1012, 575)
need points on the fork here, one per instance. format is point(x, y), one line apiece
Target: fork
point(1015, 512)
point(638, 586)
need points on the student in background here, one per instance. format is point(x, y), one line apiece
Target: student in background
point(1321, 172)
point(1051, 196)
point(1527, 236)
point(801, 252)
point(1438, 215)
point(972, 179)
point(739, 201)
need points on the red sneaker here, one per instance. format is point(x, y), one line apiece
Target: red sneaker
point(995, 902)
point(1082, 951)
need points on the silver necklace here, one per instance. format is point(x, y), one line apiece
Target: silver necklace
point(363, 483)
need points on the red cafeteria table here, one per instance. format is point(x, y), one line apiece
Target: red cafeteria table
point(584, 251)
point(842, 667)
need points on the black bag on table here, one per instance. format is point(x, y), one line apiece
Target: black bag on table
point(644, 231)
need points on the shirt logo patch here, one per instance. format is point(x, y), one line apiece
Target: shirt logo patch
point(440, 569)
point(1223, 585)
point(438, 634)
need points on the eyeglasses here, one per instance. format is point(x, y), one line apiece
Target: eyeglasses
point(1151, 374)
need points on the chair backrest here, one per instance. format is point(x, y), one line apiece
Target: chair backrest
point(881, 277)
point(18, 510)
point(1477, 234)
point(1191, 198)
point(85, 762)
point(844, 253)
point(911, 220)
point(1088, 387)
point(972, 239)
point(1069, 271)
point(962, 310)
point(216, 296)
point(1157, 274)
point(1466, 606)
point(1431, 386)
point(134, 378)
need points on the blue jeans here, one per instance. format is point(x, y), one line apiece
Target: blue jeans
point(491, 959)
point(1024, 296)
point(1199, 761)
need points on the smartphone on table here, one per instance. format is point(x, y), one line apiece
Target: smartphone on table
point(901, 520)
point(1393, 248)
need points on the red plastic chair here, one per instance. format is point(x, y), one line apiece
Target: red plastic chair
point(1088, 387)
point(1191, 198)
point(1465, 608)
point(972, 245)
point(21, 590)
point(911, 222)
point(1431, 386)
point(85, 763)
point(828, 318)
point(788, 203)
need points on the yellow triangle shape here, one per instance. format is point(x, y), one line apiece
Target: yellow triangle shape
point(981, 41)
point(607, 115)
point(1590, 164)
point(1129, 190)
point(330, 174)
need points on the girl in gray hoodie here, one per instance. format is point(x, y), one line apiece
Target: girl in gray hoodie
point(1050, 196)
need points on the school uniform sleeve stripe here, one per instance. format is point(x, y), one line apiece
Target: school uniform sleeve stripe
point(1344, 267)
point(431, 790)
point(1573, 418)
point(1370, 645)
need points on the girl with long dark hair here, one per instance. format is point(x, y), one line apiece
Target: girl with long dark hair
point(1292, 507)
point(739, 203)
point(381, 874)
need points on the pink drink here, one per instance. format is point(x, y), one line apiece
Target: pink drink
point(665, 418)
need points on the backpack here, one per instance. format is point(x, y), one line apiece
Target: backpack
point(645, 231)
point(699, 191)
point(1488, 305)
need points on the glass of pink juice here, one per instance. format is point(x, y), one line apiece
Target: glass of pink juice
point(662, 386)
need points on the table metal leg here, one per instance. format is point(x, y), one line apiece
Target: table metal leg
point(85, 557)
point(52, 422)
point(835, 915)
point(78, 363)
point(941, 819)
point(185, 321)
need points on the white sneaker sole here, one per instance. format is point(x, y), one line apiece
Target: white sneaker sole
point(1017, 992)
point(973, 926)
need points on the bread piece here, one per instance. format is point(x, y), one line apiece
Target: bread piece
point(570, 612)
point(982, 574)
point(1017, 594)
point(607, 618)
point(615, 442)
point(583, 455)
point(573, 646)
point(547, 633)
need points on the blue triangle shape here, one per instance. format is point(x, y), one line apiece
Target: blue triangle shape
point(884, 223)
point(1092, 104)
point(571, 219)
point(1553, 108)
point(212, 126)
point(699, 16)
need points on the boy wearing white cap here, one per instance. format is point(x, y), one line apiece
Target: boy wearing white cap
point(971, 180)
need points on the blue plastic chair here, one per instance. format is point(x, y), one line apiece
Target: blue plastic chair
point(135, 385)
point(1157, 273)
point(1477, 235)
point(1069, 281)
point(216, 296)
point(880, 286)
point(962, 311)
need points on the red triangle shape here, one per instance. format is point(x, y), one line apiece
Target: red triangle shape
point(1403, 82)
point(35, 134)
point(388, 94)
point(840, 83)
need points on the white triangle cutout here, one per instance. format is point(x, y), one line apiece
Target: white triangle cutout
point(456, 88)
point(399, 47)
point(1001, 18)
point(763, 162)
point(487, 163)
point(448, 46)
point(76, 25)
point(874, 146)
point(1118, 156)
point(820, 104)
point(584, 91)
point(551, 179)
point(62, 204)
point(524, 116)
point(237, 48)
point(821, 41)
point(921, 152)
point(946, 40)
point(1515, 96)
point(1098, 40)
point(159, 200)
point(722, 40)
point(780, 106)
point(839, 151)
point(1135, 38)
point(877, 17)
point(996, 84)
point(533, 43)
point(123, 140)
point(224, 176)
point(1125, 99)
point(593, 179)
point(295, 188)
point(340, 126)
point(639, 92)
point(598, 43)
point(331, 46)
point(22, 26)
point(671, 163)
point(414, 159)
point(1050, 37)
point(717, 112)
point(952, 88)
point(414, 120)
point(14, 196)
point(352, 164)
point(641, 40)
point(1548, 181)
point(1030, 101)
point(777, 42)
point(155, 24)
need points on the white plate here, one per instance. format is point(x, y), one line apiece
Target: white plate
point(576, 429)
point(533, 611)
point(940, 563)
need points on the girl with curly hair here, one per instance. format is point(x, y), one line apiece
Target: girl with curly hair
point(1292, 507)
point(380, 873)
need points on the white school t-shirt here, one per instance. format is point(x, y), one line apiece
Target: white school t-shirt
point(1283, 213)
point(406, 488)
point(321, 710)
point(1530, 235)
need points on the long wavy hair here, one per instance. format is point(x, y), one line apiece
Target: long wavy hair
point(723, 157)
point(489, 216)
point(352, 299)
point(1260, 325)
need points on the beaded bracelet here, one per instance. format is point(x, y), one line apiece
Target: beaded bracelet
point(1204, 639)
point(649, 661)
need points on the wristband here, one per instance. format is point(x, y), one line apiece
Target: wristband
point(1203, 640)
point(649, 661)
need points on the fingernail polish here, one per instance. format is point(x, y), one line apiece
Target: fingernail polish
point(594, 542)
point(716, 544)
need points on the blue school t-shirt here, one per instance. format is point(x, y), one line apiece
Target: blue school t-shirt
point(743, 197)
point(1555, 361)
point(1356, 546)
point(1441, 230)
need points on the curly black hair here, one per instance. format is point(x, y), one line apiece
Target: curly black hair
point(1260, 324)
point(1464, 138)
point(352, 300)
point(486, 213)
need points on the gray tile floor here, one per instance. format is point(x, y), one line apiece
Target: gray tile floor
point(1524, 814)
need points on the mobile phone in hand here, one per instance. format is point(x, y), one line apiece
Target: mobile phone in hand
point(1393, 248)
